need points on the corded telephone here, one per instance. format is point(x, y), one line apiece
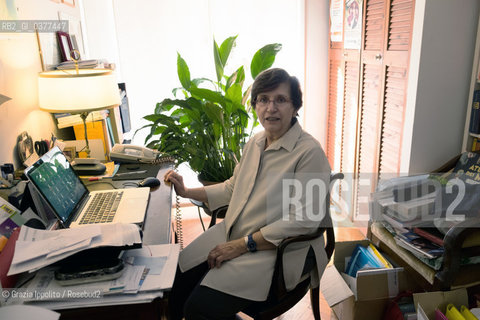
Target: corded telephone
point(127, 153)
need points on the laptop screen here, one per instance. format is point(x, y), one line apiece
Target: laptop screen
point(59, 185)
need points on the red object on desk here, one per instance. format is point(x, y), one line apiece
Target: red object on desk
point(6, 257)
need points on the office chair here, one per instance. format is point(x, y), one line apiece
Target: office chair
point(217, 213)
point(279, 300)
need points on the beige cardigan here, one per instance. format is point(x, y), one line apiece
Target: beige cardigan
point(256, 202)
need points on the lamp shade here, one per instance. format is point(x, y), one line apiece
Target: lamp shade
point(69, 91)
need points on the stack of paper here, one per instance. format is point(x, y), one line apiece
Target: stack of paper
point(36, 249)
point(149, 271)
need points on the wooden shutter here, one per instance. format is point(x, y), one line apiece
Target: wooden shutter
point(374, 24)
point(350, 113)
point(335, 102)
point(400, 25)
point(396, 57)
point(393, 119)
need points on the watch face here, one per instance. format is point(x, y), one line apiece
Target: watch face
point(251, 245)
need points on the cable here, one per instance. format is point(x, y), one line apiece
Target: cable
point(178, 212)
point(178, 220)
point(200, 216)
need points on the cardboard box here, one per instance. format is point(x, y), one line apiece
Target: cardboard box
point(363, 297)
point(429, 301)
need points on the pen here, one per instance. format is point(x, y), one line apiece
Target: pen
point(133, 172)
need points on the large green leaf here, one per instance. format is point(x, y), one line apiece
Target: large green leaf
point(218, 61)
point(226, 48)
point(237, 77)
point(209, 95)
point(163, 106)
point(264, 58)
point(183, 72)
point(234, 93)
point(214, 113)
point(221, 54)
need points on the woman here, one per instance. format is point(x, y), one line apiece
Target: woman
point(230, 266)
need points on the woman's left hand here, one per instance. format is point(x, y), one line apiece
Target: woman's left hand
point(226, 251)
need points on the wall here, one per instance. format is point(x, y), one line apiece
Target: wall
point(150, 33)
point(101, 32)
point(439, 80)
point(316, 71)
point(19, 65)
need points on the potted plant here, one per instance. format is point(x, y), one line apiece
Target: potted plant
point(209, 124)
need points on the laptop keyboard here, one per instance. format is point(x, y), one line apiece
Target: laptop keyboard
point(103, 207)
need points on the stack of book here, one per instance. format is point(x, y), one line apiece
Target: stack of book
point(406, 211)
point(86, 64)
point(65, 120)
point(366, 258)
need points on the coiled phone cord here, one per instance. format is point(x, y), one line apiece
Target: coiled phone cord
point(178, 213)
point(178, 221)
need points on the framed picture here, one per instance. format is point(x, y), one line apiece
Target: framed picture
point(75, 31)
point(65, 44)
point(70, 3)
point(70, 153)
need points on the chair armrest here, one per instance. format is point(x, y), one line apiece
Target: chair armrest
point(453, 242)
point(278, 281)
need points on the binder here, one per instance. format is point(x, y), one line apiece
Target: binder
point(467, 314)
point(95, 130)
point(453, 313)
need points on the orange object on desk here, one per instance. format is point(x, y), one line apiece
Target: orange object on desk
point(6, 257)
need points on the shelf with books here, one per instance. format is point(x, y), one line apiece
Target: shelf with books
point(472, 121)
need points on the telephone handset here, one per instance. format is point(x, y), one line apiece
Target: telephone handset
point(127, 153)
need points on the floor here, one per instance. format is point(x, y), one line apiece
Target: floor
point(302, 311)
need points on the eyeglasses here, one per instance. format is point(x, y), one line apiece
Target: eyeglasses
point(279, 101)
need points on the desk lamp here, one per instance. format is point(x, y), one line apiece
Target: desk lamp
point(78, 91)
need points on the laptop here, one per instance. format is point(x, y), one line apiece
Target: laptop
point(71, 202)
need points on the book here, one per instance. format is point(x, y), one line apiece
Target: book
point(398, 226)
point(362, 259)
point(65, 120)
point(418, 246)
point(86, 64)
point(412, 209)
point(380, 257)
point(10, 218)
point(116, 123)
point(467, 168)
point(124, 108)
point(475, 114)
point(432, 234)
point(414, 190)
point(475, 145)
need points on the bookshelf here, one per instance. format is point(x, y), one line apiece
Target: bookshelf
point(468, 138)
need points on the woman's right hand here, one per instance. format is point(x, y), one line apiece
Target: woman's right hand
point(177, 180)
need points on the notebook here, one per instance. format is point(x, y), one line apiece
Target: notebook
point(61, 188)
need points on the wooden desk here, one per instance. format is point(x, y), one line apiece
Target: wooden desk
point(156, 230)
point(157, 226)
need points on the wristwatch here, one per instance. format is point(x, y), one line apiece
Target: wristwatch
point(251, 244)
